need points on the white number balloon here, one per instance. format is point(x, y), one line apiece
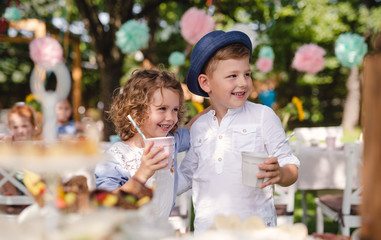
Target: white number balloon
point(49, 99)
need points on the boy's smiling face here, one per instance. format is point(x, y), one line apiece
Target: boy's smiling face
point(229, 85)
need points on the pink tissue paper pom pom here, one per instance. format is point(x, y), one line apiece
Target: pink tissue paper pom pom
point(46, 52)
point(264, 65)
point(309, 58)
point(195, 24)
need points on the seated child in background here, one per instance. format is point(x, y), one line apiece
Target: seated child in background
point(23, 127)
point(220, 70)
point(154, 99)
point(65, 123)
point(22, 123)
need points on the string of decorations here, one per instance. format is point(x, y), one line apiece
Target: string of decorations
point(195, 23)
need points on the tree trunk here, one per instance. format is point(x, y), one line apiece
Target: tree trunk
point(352, 103)
point(370, 208)
point(109, 56)
point(110, 76)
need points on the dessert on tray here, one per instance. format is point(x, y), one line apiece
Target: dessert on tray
point(73, 196)
point(40, 156)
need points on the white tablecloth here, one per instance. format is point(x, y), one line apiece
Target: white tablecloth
point(321, 168)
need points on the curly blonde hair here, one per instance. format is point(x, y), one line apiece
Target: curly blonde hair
point(135, 96)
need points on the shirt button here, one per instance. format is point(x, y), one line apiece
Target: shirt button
point(214, 118)
point(219, 159)
point(244, 130)
point(220, 137)
point(199, 140)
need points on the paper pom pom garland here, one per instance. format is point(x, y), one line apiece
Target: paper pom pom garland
point(266, 52)
point(194, 24)
point(12, 14)
point(46, 52)
point(176, 58)
point(245, 28)
point(264, 65)
point(309, 58)
point(132, 36)
point(265, 60)
point(350, 49)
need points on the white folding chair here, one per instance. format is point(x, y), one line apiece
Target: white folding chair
point(181, 214)
point(25, 199)
point(284, 200)
point(343, 207)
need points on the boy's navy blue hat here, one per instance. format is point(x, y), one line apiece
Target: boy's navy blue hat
point(205, 48)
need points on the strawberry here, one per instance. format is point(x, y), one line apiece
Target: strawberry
point(101, 196)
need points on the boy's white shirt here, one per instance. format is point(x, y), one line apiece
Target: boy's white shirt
point(212, 166)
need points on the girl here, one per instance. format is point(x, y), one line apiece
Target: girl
point(154, 99)
point(22, 123)
point(65, 124)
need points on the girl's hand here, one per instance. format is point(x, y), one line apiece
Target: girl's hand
point(272, 171)
point(150, 162)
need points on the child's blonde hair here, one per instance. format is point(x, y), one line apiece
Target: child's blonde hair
point(231, 51)
point(135, 96)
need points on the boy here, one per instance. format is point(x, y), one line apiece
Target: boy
point(220, 70)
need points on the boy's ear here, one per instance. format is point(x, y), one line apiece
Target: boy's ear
point(203, 81)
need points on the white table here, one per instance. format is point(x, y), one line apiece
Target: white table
point(320, 169)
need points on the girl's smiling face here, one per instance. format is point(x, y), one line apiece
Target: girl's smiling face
point(21, 128)
point(163, 113)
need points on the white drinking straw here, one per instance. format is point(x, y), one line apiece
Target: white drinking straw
point(281, 144)
point(136, 126)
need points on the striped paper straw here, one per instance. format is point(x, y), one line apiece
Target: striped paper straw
point(281, 144)
point(136, 126)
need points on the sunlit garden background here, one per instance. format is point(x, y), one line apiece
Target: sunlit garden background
point(325, 93)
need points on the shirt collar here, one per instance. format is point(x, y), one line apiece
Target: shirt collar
point(231, 111)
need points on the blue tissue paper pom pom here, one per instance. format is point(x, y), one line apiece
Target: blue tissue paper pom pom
point(12, 14)
point(266, 52)
point(132, 36)
point(176, 58)
point(350, 49)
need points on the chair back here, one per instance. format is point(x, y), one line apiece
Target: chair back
point(25, 199)
point(352, 191)
point(285, 196)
